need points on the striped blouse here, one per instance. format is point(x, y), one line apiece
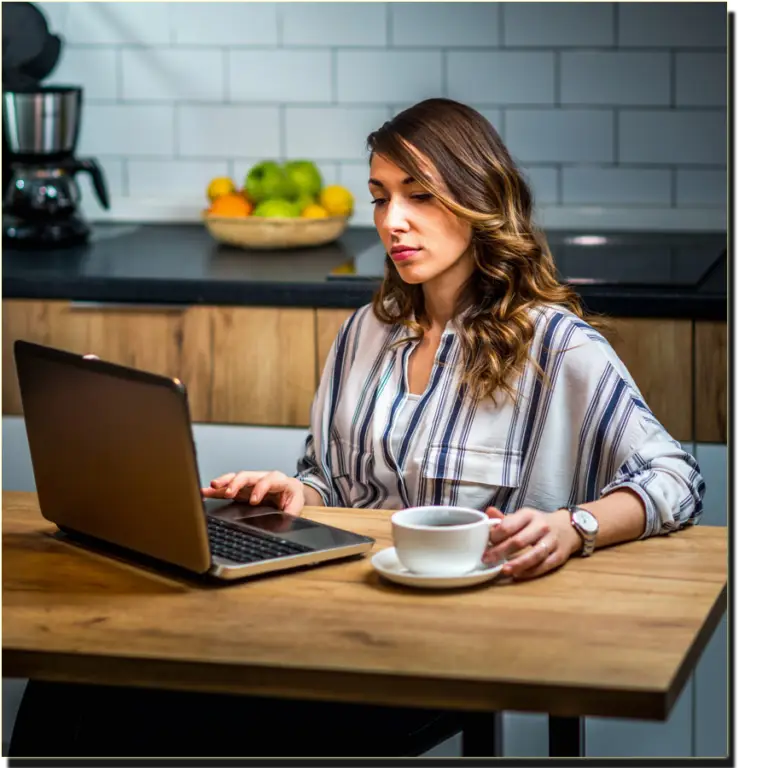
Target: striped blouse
point(584, 433)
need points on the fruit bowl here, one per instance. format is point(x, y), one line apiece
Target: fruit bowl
point(260, 233)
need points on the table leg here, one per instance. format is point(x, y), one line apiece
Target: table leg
point(566, 736)
point(481, 734)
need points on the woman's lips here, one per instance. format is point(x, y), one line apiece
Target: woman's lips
point(404, 254)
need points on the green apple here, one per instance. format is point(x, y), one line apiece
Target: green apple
point(305, 176)
point(304, 201)
point(268, 181)
point(277, 209)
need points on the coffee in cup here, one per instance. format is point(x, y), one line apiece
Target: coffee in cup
point(441, 540)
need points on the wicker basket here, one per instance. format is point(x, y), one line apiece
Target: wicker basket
point(256, 233)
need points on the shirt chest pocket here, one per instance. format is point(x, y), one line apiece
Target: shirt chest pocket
point(470, 476)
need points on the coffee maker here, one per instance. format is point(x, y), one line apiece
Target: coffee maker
point(41, 196)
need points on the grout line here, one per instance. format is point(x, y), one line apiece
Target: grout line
point(424, 47)
point(615, 25)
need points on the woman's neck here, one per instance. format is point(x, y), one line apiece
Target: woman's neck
point(441, 294)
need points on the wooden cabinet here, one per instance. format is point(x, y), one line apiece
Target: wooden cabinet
point(659, 356)
point(263, 365)
point(711, 382)
point(173, 341)
point(253, 365)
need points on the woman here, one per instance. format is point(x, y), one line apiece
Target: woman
point(474, 378)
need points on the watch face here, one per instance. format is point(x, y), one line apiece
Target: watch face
point(585, 520)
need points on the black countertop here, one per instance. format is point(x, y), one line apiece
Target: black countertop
point(629, 274)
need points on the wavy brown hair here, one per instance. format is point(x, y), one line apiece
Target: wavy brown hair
point(514, 270)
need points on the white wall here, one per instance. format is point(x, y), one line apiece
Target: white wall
point(615, 110)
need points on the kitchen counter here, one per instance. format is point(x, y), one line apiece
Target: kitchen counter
point(621, 274)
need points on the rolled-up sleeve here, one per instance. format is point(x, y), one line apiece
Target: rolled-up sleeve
point(667, 479)
point(621, 444)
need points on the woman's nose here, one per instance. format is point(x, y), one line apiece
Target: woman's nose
point(395, 219)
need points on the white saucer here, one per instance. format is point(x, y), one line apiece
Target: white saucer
point(388, 565)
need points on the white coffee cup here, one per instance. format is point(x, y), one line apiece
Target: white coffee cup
point(441, 541)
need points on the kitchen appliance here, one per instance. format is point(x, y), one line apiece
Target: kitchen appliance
point(41, 197)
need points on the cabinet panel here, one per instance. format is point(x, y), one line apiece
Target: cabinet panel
point(329, 322)
point(711, 382)
point(173, 341)
point(263, 365)
point(659, 357)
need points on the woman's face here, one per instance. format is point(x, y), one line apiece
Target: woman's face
point(422, 237)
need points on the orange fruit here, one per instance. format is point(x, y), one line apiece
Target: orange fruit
point(230, 205)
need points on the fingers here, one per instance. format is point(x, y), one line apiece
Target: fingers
point(542, 557)
point(271, 482)
point(513, 535)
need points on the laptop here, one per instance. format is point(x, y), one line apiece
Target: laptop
point(114, 462)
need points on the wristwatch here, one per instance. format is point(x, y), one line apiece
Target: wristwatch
point(586, 526)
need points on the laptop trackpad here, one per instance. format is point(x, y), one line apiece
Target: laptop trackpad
point(271, 521)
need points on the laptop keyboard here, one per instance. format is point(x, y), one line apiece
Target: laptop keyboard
point(241, 547)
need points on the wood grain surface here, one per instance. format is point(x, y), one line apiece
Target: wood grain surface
point(329, 322)
point(711, 397)
point(617, 634)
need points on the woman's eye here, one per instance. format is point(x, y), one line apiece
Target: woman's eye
point(378, 201)
point(422, 197)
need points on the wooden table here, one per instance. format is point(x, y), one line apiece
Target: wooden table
point(617, 634)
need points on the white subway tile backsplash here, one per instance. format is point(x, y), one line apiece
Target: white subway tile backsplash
point(702, 188)
point(622, 95)
point(560, 135)
point(330, 133)
point(617, 186)
point(224, 23)
point(280, 76)
point(384, 77)
point(329, 171)
point(127, 129)
point(502, 77)
point(622, 78)
point(145, 23)
point(94, 69)
point(179, 179)
point(427, 24)
point(558, 24)
point(168, 74)
point(354, 176)
point(672, 136)
point(543, 184)
point(228, 131)
point(333, 24)
point(676, 25)
point(701, 79)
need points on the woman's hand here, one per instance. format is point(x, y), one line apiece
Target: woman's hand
point(532, 541)
point(272, 488)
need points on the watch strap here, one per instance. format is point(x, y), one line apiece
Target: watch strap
point(588, 539)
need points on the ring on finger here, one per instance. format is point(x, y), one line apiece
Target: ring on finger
point(544, 547)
